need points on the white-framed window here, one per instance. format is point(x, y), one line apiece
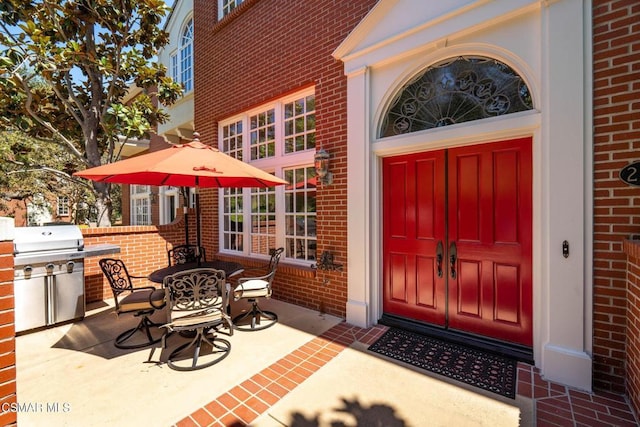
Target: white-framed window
point(227, 6)
point(232, 139)
point(300, 124)
point(63, 206)
point(181, 61)
point(232, 219)
point(186, 57)
point(140, 204)
point(172, 202)
point(174, 67)
point(169, 203)
point(300, 212)
point(279, 138)
point(262, 134)
point(262, 217)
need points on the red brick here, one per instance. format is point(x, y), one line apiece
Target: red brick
point(292, 52)
point(613, 118)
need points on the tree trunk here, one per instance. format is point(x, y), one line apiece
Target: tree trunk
point(103, 204)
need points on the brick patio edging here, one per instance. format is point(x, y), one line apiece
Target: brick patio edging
point(554, 404)
point(245, 402)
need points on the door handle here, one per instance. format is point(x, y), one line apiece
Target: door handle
point(439, 257)
point(453, 257)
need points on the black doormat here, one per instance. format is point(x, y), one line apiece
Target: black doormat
point(487, 371)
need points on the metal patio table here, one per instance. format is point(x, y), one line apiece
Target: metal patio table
point(229, 267)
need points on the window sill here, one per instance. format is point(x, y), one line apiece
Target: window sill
point(294, 269)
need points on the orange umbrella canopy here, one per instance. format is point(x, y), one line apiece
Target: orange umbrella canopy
point(188, 165)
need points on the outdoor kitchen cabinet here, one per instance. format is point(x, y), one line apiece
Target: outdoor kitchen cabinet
point(49, 274)
point(49, 293)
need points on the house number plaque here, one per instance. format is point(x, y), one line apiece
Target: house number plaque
point(631, 174)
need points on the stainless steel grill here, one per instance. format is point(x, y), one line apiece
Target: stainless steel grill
point(49, 274)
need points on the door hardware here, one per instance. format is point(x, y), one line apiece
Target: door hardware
point(453, 257)
point(565, 249)
point(439, 257)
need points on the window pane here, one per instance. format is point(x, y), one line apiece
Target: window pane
point(262, 135)
point(140, 189)
point(229, 5)
point(300, 213)
point(299, 122)
point(264, 138)
point(169, 204)
point(311, 102)
point(288, 111)
point(311, 140)
point(141, 214)
point(263, 220)
point(232, 140)
point(140, 204)
point(175, 73)
point(63, 206)
point(232, 219)
point(186, 57)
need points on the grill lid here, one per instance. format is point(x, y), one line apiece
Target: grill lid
point(47, 238)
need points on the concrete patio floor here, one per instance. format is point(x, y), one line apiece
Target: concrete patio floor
point(309, 370)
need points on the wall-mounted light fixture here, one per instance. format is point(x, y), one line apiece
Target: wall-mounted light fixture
point(321, 164)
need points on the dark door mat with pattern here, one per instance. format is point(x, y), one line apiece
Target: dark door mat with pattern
point(487, 371)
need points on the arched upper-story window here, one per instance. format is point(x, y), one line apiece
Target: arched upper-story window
point(455, 91)
point(186, 57)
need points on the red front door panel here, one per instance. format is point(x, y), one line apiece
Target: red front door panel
point(477, 201)
point(414, 224)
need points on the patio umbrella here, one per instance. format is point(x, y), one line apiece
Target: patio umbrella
point(187, 165)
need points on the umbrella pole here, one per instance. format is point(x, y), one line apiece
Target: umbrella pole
point(198, 239)
point(185, 211)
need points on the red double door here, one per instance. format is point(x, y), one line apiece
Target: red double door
point(457, 239)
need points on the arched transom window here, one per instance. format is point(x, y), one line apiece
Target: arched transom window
point(455, 91)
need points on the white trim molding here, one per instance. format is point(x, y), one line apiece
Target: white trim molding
point(547, 44)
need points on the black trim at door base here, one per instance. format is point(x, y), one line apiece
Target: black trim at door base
point(515, 351)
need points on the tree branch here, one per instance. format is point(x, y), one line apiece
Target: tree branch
point(56, 172)
point(65, 101)
point(68, 144)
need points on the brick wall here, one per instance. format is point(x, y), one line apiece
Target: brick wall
point(7, 335)
point(616, 52)
point(264, 50)
point(632, 249)
point(142, 248)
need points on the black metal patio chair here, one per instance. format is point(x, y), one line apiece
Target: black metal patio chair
point(197, 301)
point(183, 254)
point(142, 301)
point(253, 288)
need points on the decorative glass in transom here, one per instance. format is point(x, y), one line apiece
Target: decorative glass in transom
point(458, 90)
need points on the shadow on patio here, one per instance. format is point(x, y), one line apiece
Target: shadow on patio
point(308, 370)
